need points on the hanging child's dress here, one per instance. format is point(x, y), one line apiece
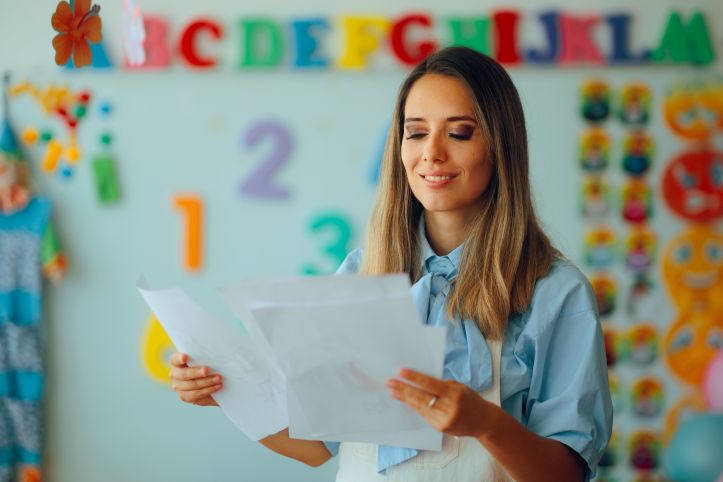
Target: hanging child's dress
point(28, 250)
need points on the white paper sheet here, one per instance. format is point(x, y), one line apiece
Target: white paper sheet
point(254, 393)
point(337, 340)
point(424, 438)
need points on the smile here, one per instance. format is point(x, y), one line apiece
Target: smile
point(437, 180)
point(699, 281)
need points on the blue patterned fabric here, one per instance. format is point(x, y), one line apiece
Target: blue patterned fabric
point(21, 362)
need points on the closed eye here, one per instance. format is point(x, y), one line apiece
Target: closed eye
point(681, 340)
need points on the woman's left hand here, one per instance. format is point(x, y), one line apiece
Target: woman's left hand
point(450, 407)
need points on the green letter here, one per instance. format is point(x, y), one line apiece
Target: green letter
point(683, 44)
point(474, 34)
point(262, 43)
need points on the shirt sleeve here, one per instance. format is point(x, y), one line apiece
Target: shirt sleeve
point(350, 265)
point(51, 256)
point(569, 396)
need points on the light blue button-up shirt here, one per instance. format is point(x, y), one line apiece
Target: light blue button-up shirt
point(553, 369)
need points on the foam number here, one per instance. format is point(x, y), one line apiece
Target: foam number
point(191, 208)
point(156, 351)
point(337, 246)
point(376, 159)
point(261, 183)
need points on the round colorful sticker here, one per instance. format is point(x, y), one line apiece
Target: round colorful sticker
point(637, 201)
point(595, 197)
point(647, 397)
point(690, 344)
point(642, 345)
point(693, 185)
point(600, 248)
point(594, 150)
point(613, 341)
point(605, 289)
point(640, 249)
point(634, 108)
point(637, 153)
point(641, 297)
point(595, 100)
point(693, 269)
point(644, 449)
point(695, 111)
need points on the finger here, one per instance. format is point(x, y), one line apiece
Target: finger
point(179, 359)
point(196, 395)
point(416, 398)
point(430, 384)
point(200, 383)
point(190, 373)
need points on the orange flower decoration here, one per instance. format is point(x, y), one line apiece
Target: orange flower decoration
point(77, 25)
point(30, 473)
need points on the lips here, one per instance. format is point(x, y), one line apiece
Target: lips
point(437, 178)
point(700, 281)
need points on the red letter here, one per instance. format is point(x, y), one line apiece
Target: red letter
point(423, 48)
point(506, 37)
point(188, 42)
point(157, 54)
point(577, 44)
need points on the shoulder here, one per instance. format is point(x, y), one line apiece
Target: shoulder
point(563, 292)
point(564, 284)
point(352, 262)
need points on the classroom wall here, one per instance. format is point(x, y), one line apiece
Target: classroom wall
point(177, 131)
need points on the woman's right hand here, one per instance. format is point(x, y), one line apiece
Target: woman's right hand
point(193, 384)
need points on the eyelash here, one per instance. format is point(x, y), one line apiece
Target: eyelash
point(459, 137)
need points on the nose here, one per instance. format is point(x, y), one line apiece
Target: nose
point(434, 148)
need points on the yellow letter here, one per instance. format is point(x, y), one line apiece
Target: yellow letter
point(361, 38)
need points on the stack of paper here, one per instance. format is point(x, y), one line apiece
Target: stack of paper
point(316, 357)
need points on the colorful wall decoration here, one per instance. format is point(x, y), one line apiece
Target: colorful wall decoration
point(657, 356)
point(267, 42)
point(270, 125)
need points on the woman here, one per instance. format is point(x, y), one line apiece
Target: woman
point(524, 395)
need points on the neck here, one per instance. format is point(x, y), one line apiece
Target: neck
point(445, 231)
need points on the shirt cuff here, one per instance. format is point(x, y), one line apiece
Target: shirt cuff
point(332, 447)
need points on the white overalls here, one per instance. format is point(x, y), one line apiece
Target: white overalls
point(462, 459)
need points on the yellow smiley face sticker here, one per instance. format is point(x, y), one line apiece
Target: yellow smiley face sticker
point(694, 112)
point(691, 343)
point(693, 269)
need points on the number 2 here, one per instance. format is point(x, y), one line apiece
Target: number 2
point(260, 182)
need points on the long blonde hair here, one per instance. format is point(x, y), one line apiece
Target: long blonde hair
point(506, 250)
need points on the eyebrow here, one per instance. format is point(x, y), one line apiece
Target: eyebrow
point(449, 119)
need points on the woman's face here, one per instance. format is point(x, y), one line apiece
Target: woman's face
point(443, 152)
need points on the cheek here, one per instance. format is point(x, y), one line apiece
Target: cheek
point(481, 176)
point(409, 158)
